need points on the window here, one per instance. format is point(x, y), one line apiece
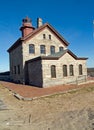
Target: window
point(42, 49)
point(11, 69)
point(44, 36)
point(52, 49)
point(60, 49)
point(64, 70)
point(80, 70)
point(50, 37)
point(71, 70)
point(31, 48)
point(18, 69)
point(14, 69)
point(53, 71)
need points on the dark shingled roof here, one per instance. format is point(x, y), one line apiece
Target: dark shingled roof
point(56, 56)
point(61, 53)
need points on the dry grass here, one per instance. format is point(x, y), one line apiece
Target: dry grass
point(62, 111)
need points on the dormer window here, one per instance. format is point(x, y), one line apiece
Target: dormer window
point(49, 37)
point(44, 36)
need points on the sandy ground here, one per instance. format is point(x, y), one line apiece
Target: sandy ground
point(69, 111)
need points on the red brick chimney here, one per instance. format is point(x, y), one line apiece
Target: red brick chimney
point(26, 27)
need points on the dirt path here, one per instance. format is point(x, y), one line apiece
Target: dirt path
point(69, 111)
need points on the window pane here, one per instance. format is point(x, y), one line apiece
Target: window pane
point(60, 48)
point(14, 69)
point(52, 49)
point(50, 37)
point(18, 69)
point(80, 70)
point(44, 36)
point(71, 70)
point(42, 49)
point(64, 70)
point(31, 48)
point(53, 71)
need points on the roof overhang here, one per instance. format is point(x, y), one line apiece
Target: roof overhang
point(15, 45)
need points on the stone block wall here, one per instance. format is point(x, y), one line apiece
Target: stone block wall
point(16, 59)
point(38, 40)
point(35, 73)
point(40, 71)
point(60, 79)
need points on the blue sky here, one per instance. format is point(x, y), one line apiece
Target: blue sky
point(73, 19)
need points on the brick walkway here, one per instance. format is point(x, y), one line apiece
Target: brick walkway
point(33, 92)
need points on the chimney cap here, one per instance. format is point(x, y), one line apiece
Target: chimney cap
point(40, 19)
point(26, 20)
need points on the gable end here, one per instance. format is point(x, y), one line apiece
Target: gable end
point(51, 29)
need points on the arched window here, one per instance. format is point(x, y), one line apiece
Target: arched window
point(52, 49)
point(42, 49)
point(53, 71)
point(60, 49)
point(31, 48)
point(80, 69)
point(71, 70)
point(64, 70)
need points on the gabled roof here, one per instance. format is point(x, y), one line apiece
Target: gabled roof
point(32, 34)
point(56, 56)
point(51, 29)
point(61, 53)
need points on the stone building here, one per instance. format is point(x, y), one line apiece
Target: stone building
point(41, 57)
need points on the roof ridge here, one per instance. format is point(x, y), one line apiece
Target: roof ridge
point(52, 29)
point(36, 31)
